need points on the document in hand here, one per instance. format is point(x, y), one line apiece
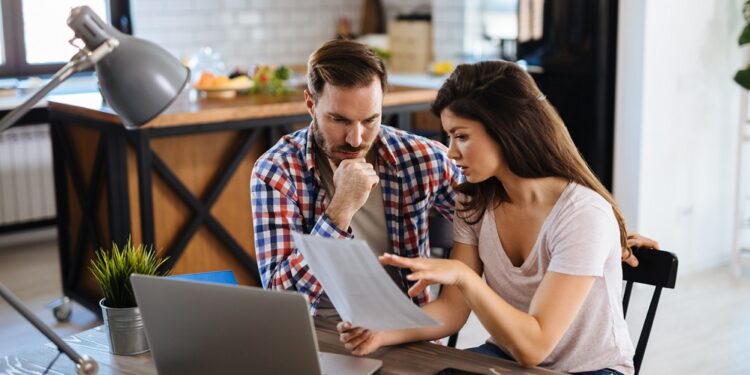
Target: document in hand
point(358, 286)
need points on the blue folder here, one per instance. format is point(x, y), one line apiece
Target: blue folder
point(219, 277)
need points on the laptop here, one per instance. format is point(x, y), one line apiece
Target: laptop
point(208, 328)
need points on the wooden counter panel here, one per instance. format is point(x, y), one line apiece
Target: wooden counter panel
point(197, 160)
point(134, 203)
point(425, 120)
point(232, 209)
point(207, 253)
point(171, 214)
point(84, 143)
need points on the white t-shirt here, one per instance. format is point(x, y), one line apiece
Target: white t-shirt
point(580, 236)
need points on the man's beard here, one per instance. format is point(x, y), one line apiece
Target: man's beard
point(324, 148)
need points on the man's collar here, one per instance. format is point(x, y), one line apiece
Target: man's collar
point(385, 150)
point(309, 149)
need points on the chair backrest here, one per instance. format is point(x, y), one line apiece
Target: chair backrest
point(219, 277)
point(441, 236)
point(657, 268)
point(440, 232)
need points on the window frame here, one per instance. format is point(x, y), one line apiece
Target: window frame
point(15, 49)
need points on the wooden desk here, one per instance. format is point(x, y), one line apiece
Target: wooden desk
point(417, 358)
point(180, 182)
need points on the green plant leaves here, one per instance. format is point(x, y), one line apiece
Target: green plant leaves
point(282, 73)
point(112, 269)
point(745, 36)
point(743, 78)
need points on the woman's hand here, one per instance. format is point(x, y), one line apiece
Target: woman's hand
point(359, 341)
point(429, 271)
point(637, 240)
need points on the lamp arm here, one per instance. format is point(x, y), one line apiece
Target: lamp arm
point(61, 75)
point(82, 60)
point(84, 364)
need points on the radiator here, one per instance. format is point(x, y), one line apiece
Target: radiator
point(27, 191)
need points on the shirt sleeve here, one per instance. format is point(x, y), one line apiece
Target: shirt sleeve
point(583, 240)
point(450, 177)
point(464, 232)
point(276, 214)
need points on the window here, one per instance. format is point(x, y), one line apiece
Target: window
point(35, 34)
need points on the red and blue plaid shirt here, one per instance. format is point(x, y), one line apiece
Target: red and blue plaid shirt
point(415, 176)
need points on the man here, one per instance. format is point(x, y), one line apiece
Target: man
point(346, 176)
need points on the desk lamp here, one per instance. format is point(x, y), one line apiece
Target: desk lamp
point(138, 80)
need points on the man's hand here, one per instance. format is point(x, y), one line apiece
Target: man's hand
point(636, 240)
point(359, 341)
point(353, 181)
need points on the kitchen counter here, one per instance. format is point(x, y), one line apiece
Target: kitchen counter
point(190, 109)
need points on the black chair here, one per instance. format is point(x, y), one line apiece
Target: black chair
point(441, 236)
point(657, 268)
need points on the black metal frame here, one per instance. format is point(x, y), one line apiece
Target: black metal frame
point(440, 232)
point(657, 268)
point(110, 167)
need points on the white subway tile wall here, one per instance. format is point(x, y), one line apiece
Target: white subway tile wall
point(244, 32)
point(249, 32)
point(448, 22)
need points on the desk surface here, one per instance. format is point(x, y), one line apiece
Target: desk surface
point(416, 358)
point(189, 108)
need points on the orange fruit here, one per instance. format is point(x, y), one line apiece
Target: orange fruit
point(206, 80)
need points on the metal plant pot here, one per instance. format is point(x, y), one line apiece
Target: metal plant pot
point(127, 335)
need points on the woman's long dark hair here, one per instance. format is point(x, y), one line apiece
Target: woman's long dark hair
point(531, 135)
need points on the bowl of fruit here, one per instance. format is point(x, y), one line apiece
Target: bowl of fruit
point(220, 86)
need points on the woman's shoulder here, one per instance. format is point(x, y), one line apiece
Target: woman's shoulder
point(463, 202)
point(583, 205)
point(470, 219)
point(580, 197)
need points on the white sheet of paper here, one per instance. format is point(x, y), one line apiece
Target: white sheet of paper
point(358, 286)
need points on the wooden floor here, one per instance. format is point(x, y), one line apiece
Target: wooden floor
point(702, 327)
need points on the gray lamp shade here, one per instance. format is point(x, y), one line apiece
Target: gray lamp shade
point(138, 79)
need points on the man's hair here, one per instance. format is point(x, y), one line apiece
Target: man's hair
point(344, 63)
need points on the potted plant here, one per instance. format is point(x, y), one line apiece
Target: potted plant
point(111, 270)
point(743, 76)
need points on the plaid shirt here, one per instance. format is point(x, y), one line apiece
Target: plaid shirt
point(415, 176)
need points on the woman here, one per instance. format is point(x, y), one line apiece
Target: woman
point(533, 219)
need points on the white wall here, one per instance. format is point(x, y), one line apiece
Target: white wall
point(245, 32)
point(447, 29)
point(249, 32)
point(677, 110)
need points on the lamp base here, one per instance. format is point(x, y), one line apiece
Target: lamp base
point(87, 366)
